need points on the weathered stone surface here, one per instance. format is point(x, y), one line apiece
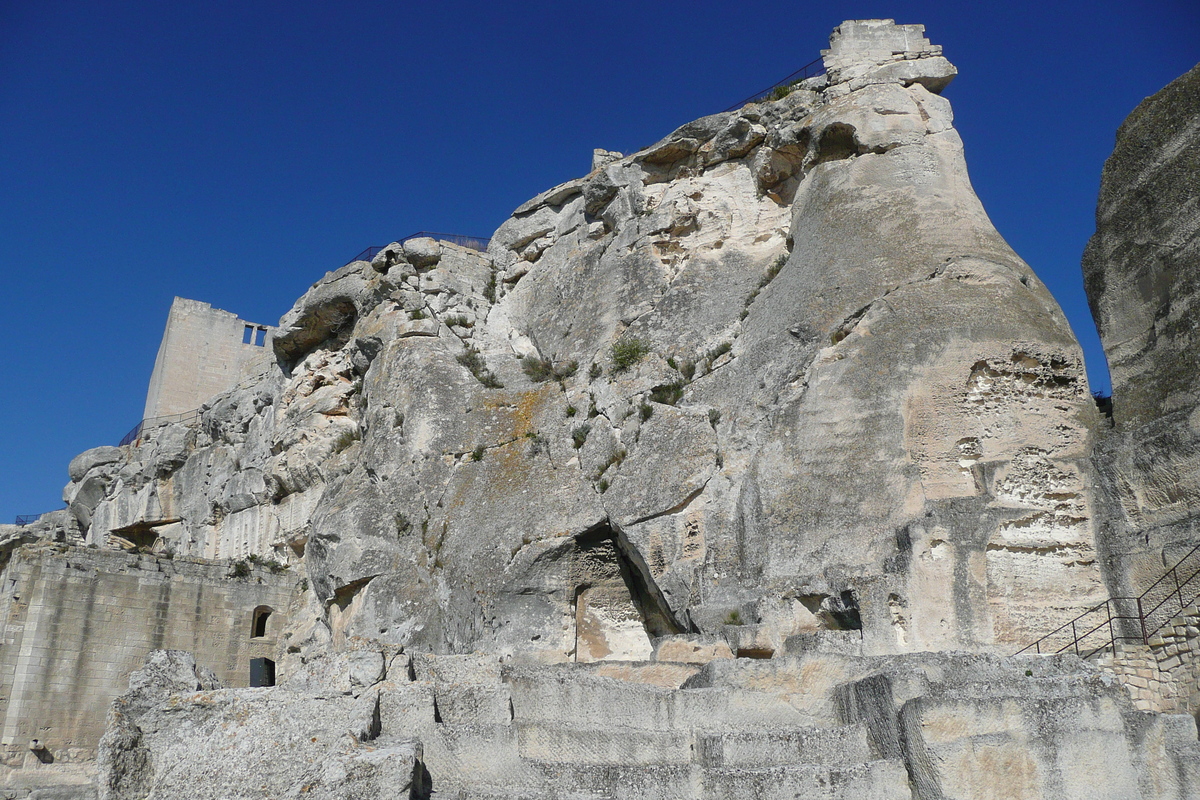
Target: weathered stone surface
point(1140, 272)
point(694, 464)
point(88, 460)
point(872, 51)
point(849, 388)
point(172, 735)
point(422, 252)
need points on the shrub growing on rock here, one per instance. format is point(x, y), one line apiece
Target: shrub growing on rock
point(628, 352)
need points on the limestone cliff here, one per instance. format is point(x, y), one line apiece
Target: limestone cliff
point(776, 373)
point(671, 491)
point(1140, 272)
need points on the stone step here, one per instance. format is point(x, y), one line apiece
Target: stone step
point(817, 746)
point(885, 779)
point(878, 780)
point(556, 697)
point(473, 704)
point(616, 746)
point(476, 669)
point(584, 745)
point(485, 754)
point(491, 793)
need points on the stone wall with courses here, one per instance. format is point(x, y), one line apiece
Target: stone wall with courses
point(77, 621)
point(203, 353)
point(1164, 676)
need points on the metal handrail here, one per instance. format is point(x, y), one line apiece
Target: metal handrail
point(29, 519)
point(809, 70)
point(479, 243)
point(1146, 626)
point(186, 418)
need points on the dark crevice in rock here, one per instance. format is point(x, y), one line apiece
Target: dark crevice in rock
point(344, 595)
point(836, 143)
point(649, 600)
point(675, 509)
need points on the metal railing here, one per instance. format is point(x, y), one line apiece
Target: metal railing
point(479, 243)
point(810, 70)
point(150, 423)
point(28, 519)
point(1129, 619)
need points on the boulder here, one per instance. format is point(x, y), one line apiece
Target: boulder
point(422, 252)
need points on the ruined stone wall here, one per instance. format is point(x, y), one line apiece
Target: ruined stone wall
point(77, 621)
point(203, 352)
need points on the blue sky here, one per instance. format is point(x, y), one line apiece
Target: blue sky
point(234, 152)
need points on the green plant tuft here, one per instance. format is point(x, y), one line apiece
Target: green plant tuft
point(477, 453)
point(345, 439)
point(540, 370)
point(668, 394)
point(779, 92)
point(595, 371)
point(571, 411)
point(718, 351)
point(580, 434)
point(614, 460)
point(628, 352)
point(646, 411)
point(733, 617)
point(714, 416)
point(239, 570)
point(478, 367)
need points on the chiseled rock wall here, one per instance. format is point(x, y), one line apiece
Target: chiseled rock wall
point(77, 621)
point(776, 373)
point(774, 388)
point(924, 726)
point(246, 743)
point(1141, 272)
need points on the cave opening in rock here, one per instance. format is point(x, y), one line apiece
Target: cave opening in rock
point(618, 608)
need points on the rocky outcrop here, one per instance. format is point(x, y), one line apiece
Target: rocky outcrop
point(1140, 272)
point(176, 733)
point(775, 373)
point(812, 724)
point(697, 483)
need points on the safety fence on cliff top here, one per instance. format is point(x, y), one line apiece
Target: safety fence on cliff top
point(150, 423)
point(810, 70)
point(479, 243)
point(1127, 619)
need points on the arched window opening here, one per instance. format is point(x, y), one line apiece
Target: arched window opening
point(258, 629)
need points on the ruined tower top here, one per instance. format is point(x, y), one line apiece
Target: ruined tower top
point(866, 51)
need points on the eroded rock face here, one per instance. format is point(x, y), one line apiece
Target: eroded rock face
point(775, 374)
point(176, 733)
point(1140, 271)
point(810, 724)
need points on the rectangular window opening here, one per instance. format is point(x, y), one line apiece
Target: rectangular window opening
point(248, 334)
point(262, 672)
point(260, 337)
